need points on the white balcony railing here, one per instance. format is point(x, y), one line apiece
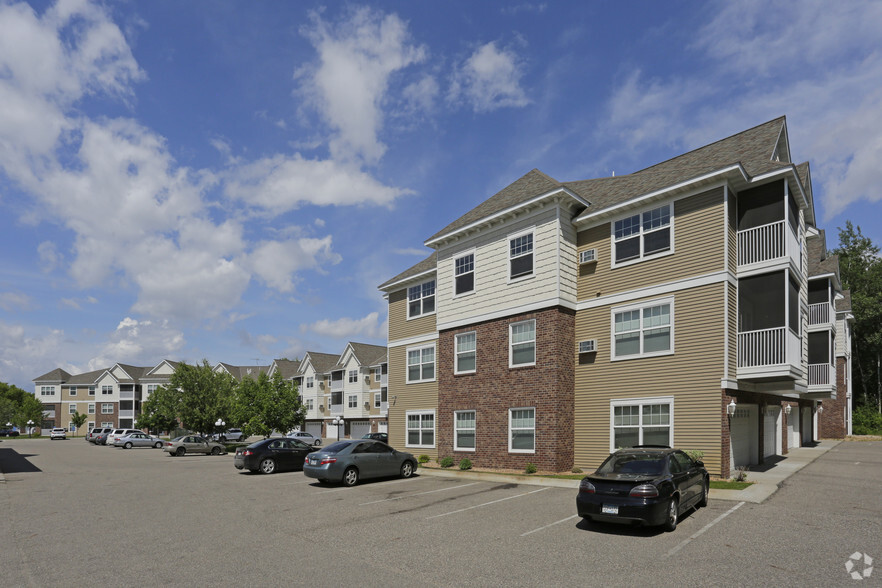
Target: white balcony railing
point(336, 385)
point(768, 347)
point(127, 414)
point(126, 394)
point(821, 374)
point(336, 410)
point(820, 313)
point(766, 243)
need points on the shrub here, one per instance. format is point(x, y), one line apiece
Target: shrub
point(446, 462)
point(695, 454)
point(740, 474)
point(576, 470)
point(530, 469)
point(424, 458)
point(866, 421)
point(465, 464)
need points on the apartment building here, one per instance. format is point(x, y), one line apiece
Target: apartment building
point(558, 321)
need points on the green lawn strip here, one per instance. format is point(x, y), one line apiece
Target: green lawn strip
point(727, 485)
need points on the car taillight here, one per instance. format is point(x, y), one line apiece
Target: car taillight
point(587, 487)
point(328, 460)
point(644, 491)
point(247, 452)
point(168, 443)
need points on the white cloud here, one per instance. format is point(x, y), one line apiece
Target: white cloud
point(22, 353)
point(489, 79)
point(49, 256)
point(138, 342)
point(349, 328)
point(11, 301)
point(276, 262)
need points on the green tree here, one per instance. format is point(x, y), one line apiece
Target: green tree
point(204, 395)
point(267, 404)
point(160, 411)
point(78, 420)
point(18, 406)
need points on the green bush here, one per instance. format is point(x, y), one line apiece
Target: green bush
point(866, 421)
point(576, 470)
point(530, 469)
point(446, 462)
point(695, 454)
point(424, 458)
point(465, 464)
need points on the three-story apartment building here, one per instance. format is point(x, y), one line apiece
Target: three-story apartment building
point(558, 321)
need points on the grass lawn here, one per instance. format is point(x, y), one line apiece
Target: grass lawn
point(727, 485)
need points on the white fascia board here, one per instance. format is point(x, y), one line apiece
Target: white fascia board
point(426, 338)
point(658, 290)
point(414, 278)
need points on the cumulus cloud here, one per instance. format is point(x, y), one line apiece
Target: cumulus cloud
point(11, 301)
point(138, 342)
point(349, 328)
point(490, 78)
point(276, 262)
point(22, 353)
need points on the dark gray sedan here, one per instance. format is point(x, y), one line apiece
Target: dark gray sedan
point(351, 460)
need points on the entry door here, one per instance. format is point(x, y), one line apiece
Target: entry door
point(772, 431)
point(807, 425)
point(794, 438)
point(744, 435)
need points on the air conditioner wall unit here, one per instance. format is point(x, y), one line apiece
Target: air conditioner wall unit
point(588, 346)
point(588, 256)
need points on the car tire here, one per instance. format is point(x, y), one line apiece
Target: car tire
point(127, 446)
point(267, 466)
point(317, 442)
point(180, 451)
point(673, 515)
point(158, 445)
point(215, 450)
point(705, 490)
point(350, 476)
point(407, 469)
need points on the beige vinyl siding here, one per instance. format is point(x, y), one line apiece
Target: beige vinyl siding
point(733, 330)
point(691, 375)
point(698, 249)
point(569, 261)
point(423, 396)
point(399, 326)
point(732, 234)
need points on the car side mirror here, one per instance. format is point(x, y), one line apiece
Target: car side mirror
point(699, 463)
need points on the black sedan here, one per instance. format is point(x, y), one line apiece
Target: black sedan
point(272, 455)
point(384, 437)
point(643, 485)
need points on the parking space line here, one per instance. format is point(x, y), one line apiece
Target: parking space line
point(550, 525)
point(486, 503)
point(417, 494)
point(703, 529)
point(373, 485)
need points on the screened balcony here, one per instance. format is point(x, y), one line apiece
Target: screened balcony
point(768, 227)
point(821, 313)
point(821, 364)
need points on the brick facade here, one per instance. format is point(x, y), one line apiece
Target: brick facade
point(831, 421)
point(495, 388)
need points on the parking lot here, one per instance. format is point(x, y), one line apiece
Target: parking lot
point(78, 512)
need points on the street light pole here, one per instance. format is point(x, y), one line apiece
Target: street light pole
point(338, 421)
point(30, 427)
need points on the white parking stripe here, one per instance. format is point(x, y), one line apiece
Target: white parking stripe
point(486, 503)
point(705, 528)
point(550, 525)
point(417, 494)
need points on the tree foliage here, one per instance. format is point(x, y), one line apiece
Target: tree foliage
point(78, 420)
point(203, 395)
point(160, 411)
point(18, 406)
point(266, 405)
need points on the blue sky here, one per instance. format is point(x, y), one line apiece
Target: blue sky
point(233, 180)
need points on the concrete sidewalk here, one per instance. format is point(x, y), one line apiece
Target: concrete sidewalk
point(767, 478)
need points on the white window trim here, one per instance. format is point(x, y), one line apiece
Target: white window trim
point(410, 413)
point(473, 272)
point(91, 390)
point(378, 399)
point(350, 403)
point(648, 304)
point(456, 353)
point(103, 393)
point(407, 299)
point(510, 411)
point(91, 408)
point(103, 404)
point(47, 390)
point(72, 408)
point(310, 382)
point(407, 351)
point(508, 257)
point(669, 400)
point(641, 257)
point(456, 429)
point(511, 345)
point(73, 390)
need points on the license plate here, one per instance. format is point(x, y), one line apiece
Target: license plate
point(313, 462)
point(608, 509)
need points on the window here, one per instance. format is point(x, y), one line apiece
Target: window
point(520, 255)
point(353, 402)
point(384, 394)
point(91, 390)
point(522, 347)
point(421, 364)
point(107, 424)
point(642, 235)
point(353, 376)
point(47, 390)
point(309, 404)
point(378, 400)
point(107, 408)
point(91, 408)
point(107, 390)
point(464, 430)
point(465, 353)
point(522, 430)
point(421, 299)
point(378, 374)
point(151, 388)
point(421, 429)
point(73, 390)
point(90, 425)
point(310, 381)
point(643, 331)
point(641, 422)
point(464, 274)
point(72, 409)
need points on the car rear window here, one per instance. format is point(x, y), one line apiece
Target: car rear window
point(630, 463)
point(336, 447)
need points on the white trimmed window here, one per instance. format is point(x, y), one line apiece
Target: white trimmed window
point(353, 402)
point(421, 364)
point(73, 390)
point(643, 330)
point(91, 408)
point(466, 351)
point(464, 430)
point(641, 421)
point(72, 409)
point(421, 429)
point(421, 299)
point(107, 390)
point(378, 400)
point(151, 389)
point(309, 404)
point(107, 408)
point(90, 425)
point(353, 376)
point(642, 235)
point(522, 430)
point(520, 255)
point(91, 390)
point(107, 424)
point(47, 390)
point(378, 374)
point(310, 381)
point(522, 343)
point(464, 274)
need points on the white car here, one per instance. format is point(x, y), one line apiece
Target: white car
point(58, 433)
point(307, 438)
point(117, 433)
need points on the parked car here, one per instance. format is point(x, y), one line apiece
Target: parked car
point(384, 437)
point(643, 485)
point(138, 439)
point(92, 436)
point(58, 433)
point(268, 456)
point(192, 444)
point(101, 438)
point(351, 460)
point(307, 438)
point(117, 433)
point(8, 433)
point(229, 435)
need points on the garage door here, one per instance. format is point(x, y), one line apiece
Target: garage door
point(772, 431)
point(314, 429)
point(357, 429)
point(331, 430)
point(743, 435)
point(793, 436)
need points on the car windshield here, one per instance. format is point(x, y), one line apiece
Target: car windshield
point(336, 447)
point(633, 463)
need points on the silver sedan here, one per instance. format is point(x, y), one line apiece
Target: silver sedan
point(351, 460)
point(193, 444)
point(138, 440)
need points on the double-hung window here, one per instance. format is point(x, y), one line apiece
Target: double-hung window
point(73, 390)
point(91, 390)
point(91, 408)
point(353, 376)
point(464, 430)
point(378, 398)
point(520, 255)
point(464, 274)
point(421, 364)
point(522, 430)
point(466, 344)
point(47, 390)
point(378, 374)
point(643, 331)
point(642, 235)
point(72, 409)
point(421, 429)
point(421, 299)
point(646, 421)
point(353, 402)
point(522, 343)
point(106, 408)
point(310, 381)
point(107, 390)
point(309, 404)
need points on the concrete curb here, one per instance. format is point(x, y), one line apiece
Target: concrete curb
point(500, 478)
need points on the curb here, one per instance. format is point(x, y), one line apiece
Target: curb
point(502, 478)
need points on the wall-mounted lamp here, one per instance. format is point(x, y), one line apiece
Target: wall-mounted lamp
point(820, 409)
point(730, 408)
point(787, 409)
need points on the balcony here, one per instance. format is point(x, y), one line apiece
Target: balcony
point(768, 243)
point(336, 410)
point(769, 354)
point(822, 380)
point(126, 394)
point(126, 414)
point(336, 385)
point(821, 314)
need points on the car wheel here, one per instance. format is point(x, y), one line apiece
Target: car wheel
point(350, 476)
point(317, 442)
point(215, 450)
point(406, 469)
point(673, 514)
point(180, 451)
point(705, 490)
point(128, 445)
point(267, 466)
point(158, 445)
